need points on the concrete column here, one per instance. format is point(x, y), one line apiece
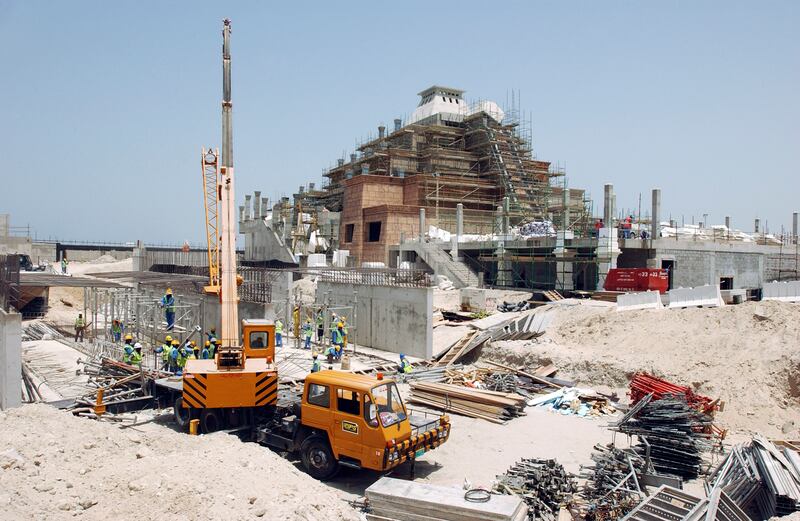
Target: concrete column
point(257, 204)
point(459, 229)
point(565, 202)
point(757, 226)
point(241, 213)
point(608, 207)
point(422, 229)
point(264, 206)
point(656, 213)
point(794, 225)
point(247, 207)
point(139, 256)
point(506, 211)
point(10, 359)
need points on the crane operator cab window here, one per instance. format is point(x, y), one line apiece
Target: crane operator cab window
point(389, 404)
point(259, 339)
point(319, 395)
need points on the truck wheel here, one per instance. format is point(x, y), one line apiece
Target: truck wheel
point(210, 421)
point(182, 414)
point(318, 458)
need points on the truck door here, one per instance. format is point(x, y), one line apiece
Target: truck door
point(348, 426)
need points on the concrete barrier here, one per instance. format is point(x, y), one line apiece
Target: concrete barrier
point(706, 296)
point(783, 291)
point(316, 260)
point(639, 300)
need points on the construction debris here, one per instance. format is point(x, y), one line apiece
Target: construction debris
point(612, 483)
point(509, 307)
point(39, 331)
point(400, 500)
point(673, 435)
point(496, 407)
point(573, 400)
point(761, 478)
point(543, 483)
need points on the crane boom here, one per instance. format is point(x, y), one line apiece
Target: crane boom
point(209, 164)
point(229, 326)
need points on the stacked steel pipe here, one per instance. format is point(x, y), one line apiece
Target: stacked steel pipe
point(643, 384)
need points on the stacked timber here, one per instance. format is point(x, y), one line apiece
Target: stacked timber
point(390, 499)
point(493, 406)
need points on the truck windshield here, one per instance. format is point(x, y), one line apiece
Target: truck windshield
point(389, 405)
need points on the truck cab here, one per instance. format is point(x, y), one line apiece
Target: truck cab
point(358, 421)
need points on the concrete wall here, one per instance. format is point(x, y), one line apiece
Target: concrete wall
point(697, 267)
point(90, 255)
point(261, 242)
point(388, 318)
point(10, 359)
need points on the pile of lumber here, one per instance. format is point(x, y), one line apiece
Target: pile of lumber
point(493, 406)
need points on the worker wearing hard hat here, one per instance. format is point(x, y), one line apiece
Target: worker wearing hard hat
point(164, 350)
point(174, 355)
point(320, 326)
point(205, 353)
point(405, 366)
point(308, 332)
point(315, 365)
point(212, 335)
point(168, 303)
point(127, 349)
point(136, 356)
point(116, 330)
point(343, 320)
point(337, 339)
point(278, 333)
point(212, 347)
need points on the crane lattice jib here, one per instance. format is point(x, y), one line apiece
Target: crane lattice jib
point(211, 195)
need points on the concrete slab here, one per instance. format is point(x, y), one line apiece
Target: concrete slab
point(437, 502)
point(10, 361)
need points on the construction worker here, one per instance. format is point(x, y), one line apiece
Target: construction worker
point(405, 366)
point(174, 354)
point(212, 335)
point(205, 352)
point(188, 350)
point(308, 332)
point(168, 303)
point(80, 325)
point(320, 326)
point(315, 366)
point(212, 347)
point(278, 333)
point(181, 358)
point(127, 349)
point(344, 331)
point(64, 264)
point(164, 350)
point(337, 339)
point(116, 330)
point(296, 321)
point(136, 356)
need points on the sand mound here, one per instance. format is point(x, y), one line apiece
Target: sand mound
point(746, 354)
point(54, 466)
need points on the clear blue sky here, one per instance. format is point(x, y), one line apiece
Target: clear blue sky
point(106, 104)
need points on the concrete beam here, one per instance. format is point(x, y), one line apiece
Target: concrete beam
point(655, 212)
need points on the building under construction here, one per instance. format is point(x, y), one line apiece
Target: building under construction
point(451, 164)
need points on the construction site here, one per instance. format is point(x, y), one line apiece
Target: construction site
point(443, 329)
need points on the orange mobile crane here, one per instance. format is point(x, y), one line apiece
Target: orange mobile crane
point(340, 419)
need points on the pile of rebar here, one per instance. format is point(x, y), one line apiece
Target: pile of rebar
point(496, 407)
point(38, 330)
point(612, 486)
point(542, 483)
point(124, 386)
point(675, 435)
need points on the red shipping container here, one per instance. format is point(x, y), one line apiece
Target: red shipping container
point(637, 279)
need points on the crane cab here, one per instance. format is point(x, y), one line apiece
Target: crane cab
point(258, 338)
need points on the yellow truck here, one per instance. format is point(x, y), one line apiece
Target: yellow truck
point(351, 420)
